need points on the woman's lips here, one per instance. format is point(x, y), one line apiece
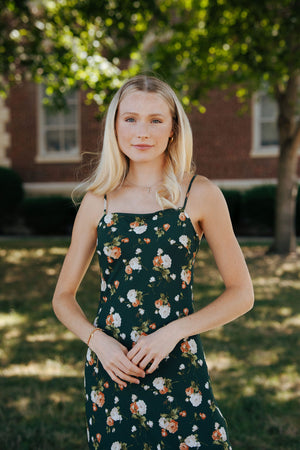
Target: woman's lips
point(142, 146)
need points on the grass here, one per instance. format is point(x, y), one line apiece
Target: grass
point(253, 361)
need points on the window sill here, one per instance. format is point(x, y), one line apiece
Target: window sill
point(55, 159)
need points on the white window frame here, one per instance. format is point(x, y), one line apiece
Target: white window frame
point(61, 156)
point(259, 150)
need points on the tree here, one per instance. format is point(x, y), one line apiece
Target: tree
point(249, 44)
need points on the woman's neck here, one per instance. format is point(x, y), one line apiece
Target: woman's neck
point(145, 175)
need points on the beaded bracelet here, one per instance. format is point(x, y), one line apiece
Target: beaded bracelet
point(91, 335)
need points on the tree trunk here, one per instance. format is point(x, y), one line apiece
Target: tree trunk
point(289, 137)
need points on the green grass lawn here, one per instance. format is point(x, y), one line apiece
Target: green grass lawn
point(253, 361)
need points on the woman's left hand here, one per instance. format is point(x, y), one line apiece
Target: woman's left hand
point(154, 347)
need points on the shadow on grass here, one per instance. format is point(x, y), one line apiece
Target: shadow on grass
point(253, 360)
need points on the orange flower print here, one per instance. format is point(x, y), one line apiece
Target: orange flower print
point(134, 408)
point(91, 361)
point(158, 303)
point(172, 426)
point(110, 421)
point(128, 270)
point(136, 303)
point(186, 275)
point(116, 283)
point(104, 299)
point(183, 446)
point(166, 226)
point(189, 391)
point(217, 435)
point(157, 261)
point(98, 437)
point(152, 326)
point(125, 240)
point(109, 319)
point(147, 240)
point(182, 216)
point(183, 285)
point(185, 347)
point(109, 259)
point(164, 432)
point(182, 413)
point(115, 252)
point(202, 415)
point(134, 224)
point(94, 407)
point(106, 385)
point(98, 398)
point(185, 311)
point(164, 390)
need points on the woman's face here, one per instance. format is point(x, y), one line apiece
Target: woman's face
point(143, 126)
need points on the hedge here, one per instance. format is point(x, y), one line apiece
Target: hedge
point(49, 215)
point(11, 195)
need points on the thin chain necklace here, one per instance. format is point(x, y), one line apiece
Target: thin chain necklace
point(148, 188)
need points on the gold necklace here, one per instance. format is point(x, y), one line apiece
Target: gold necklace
point(147, 187)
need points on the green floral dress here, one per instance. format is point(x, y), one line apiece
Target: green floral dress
point(146, 263)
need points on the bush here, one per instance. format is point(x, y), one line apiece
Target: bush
point(233, 200)
point(49, 215)
point(11, 195)
point(258, 210)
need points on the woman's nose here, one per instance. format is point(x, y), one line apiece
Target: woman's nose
point(143, 131)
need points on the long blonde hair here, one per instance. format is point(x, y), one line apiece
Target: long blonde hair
point(113, 165)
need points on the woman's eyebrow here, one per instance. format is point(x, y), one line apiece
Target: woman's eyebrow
point(136, 114)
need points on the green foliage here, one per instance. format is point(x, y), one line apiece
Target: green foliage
point(49, 215)
point(233, 199)
point(11, 194)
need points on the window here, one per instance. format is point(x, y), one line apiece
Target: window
point(265, 133)
point(59, 131)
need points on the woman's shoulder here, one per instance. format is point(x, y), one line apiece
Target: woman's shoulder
point(203, 185)
point(205, 193)
point(92, 205)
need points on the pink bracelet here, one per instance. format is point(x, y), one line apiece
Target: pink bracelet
point(91, 335)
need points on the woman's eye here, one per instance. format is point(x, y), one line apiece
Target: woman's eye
point(129, 119)
point(156, 121)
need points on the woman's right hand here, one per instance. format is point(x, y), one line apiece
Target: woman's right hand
point(113, 357)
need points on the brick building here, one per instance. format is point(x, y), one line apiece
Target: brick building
point(51, 151)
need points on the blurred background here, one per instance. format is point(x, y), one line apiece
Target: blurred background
point(235, 65)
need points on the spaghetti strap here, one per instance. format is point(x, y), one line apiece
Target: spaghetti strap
point(105, 204)
point(188, 191)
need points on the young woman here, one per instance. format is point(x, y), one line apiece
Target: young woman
point(146, 379)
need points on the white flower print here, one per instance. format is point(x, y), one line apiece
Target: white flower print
point(173, 276)
point(134, 335)
point(131, 295)
point(114, 414)
point(150, 423)
point(135, 264)
point(116, 400)
point(117, 320)
point(152, 279)
point(193, 346)
point(170, 398)
point(108, 218)
point(116, 446)
point(159, 251)
point(196, 399)
point(184, 240)
point(166, 261)
point(138, 251)
point(164, 311)
point(103, 285)
point(181, 367)
point(133, 428)
point(141, 311)
point(163, 422)
point(158, 383)
point(191, 441)
point(207, 385)
point(154, 217)
point(140, 229)
point(176, 298)
point(142, 407)
point(172, 242)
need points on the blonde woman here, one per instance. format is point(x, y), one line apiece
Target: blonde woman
point(146, 379)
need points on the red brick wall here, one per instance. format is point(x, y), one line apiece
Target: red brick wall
point(222, 141)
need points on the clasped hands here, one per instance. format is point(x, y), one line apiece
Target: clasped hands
point(124, 365)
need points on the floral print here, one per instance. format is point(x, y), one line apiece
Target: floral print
point(146, 263)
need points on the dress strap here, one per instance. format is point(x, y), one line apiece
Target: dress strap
point(104, 204)
point(188, 191)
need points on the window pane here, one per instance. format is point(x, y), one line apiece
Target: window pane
point(70, 115)
point(268, 107)
point(51, 117)
point(52, 141)
point(70, 141)
point(269, 134)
